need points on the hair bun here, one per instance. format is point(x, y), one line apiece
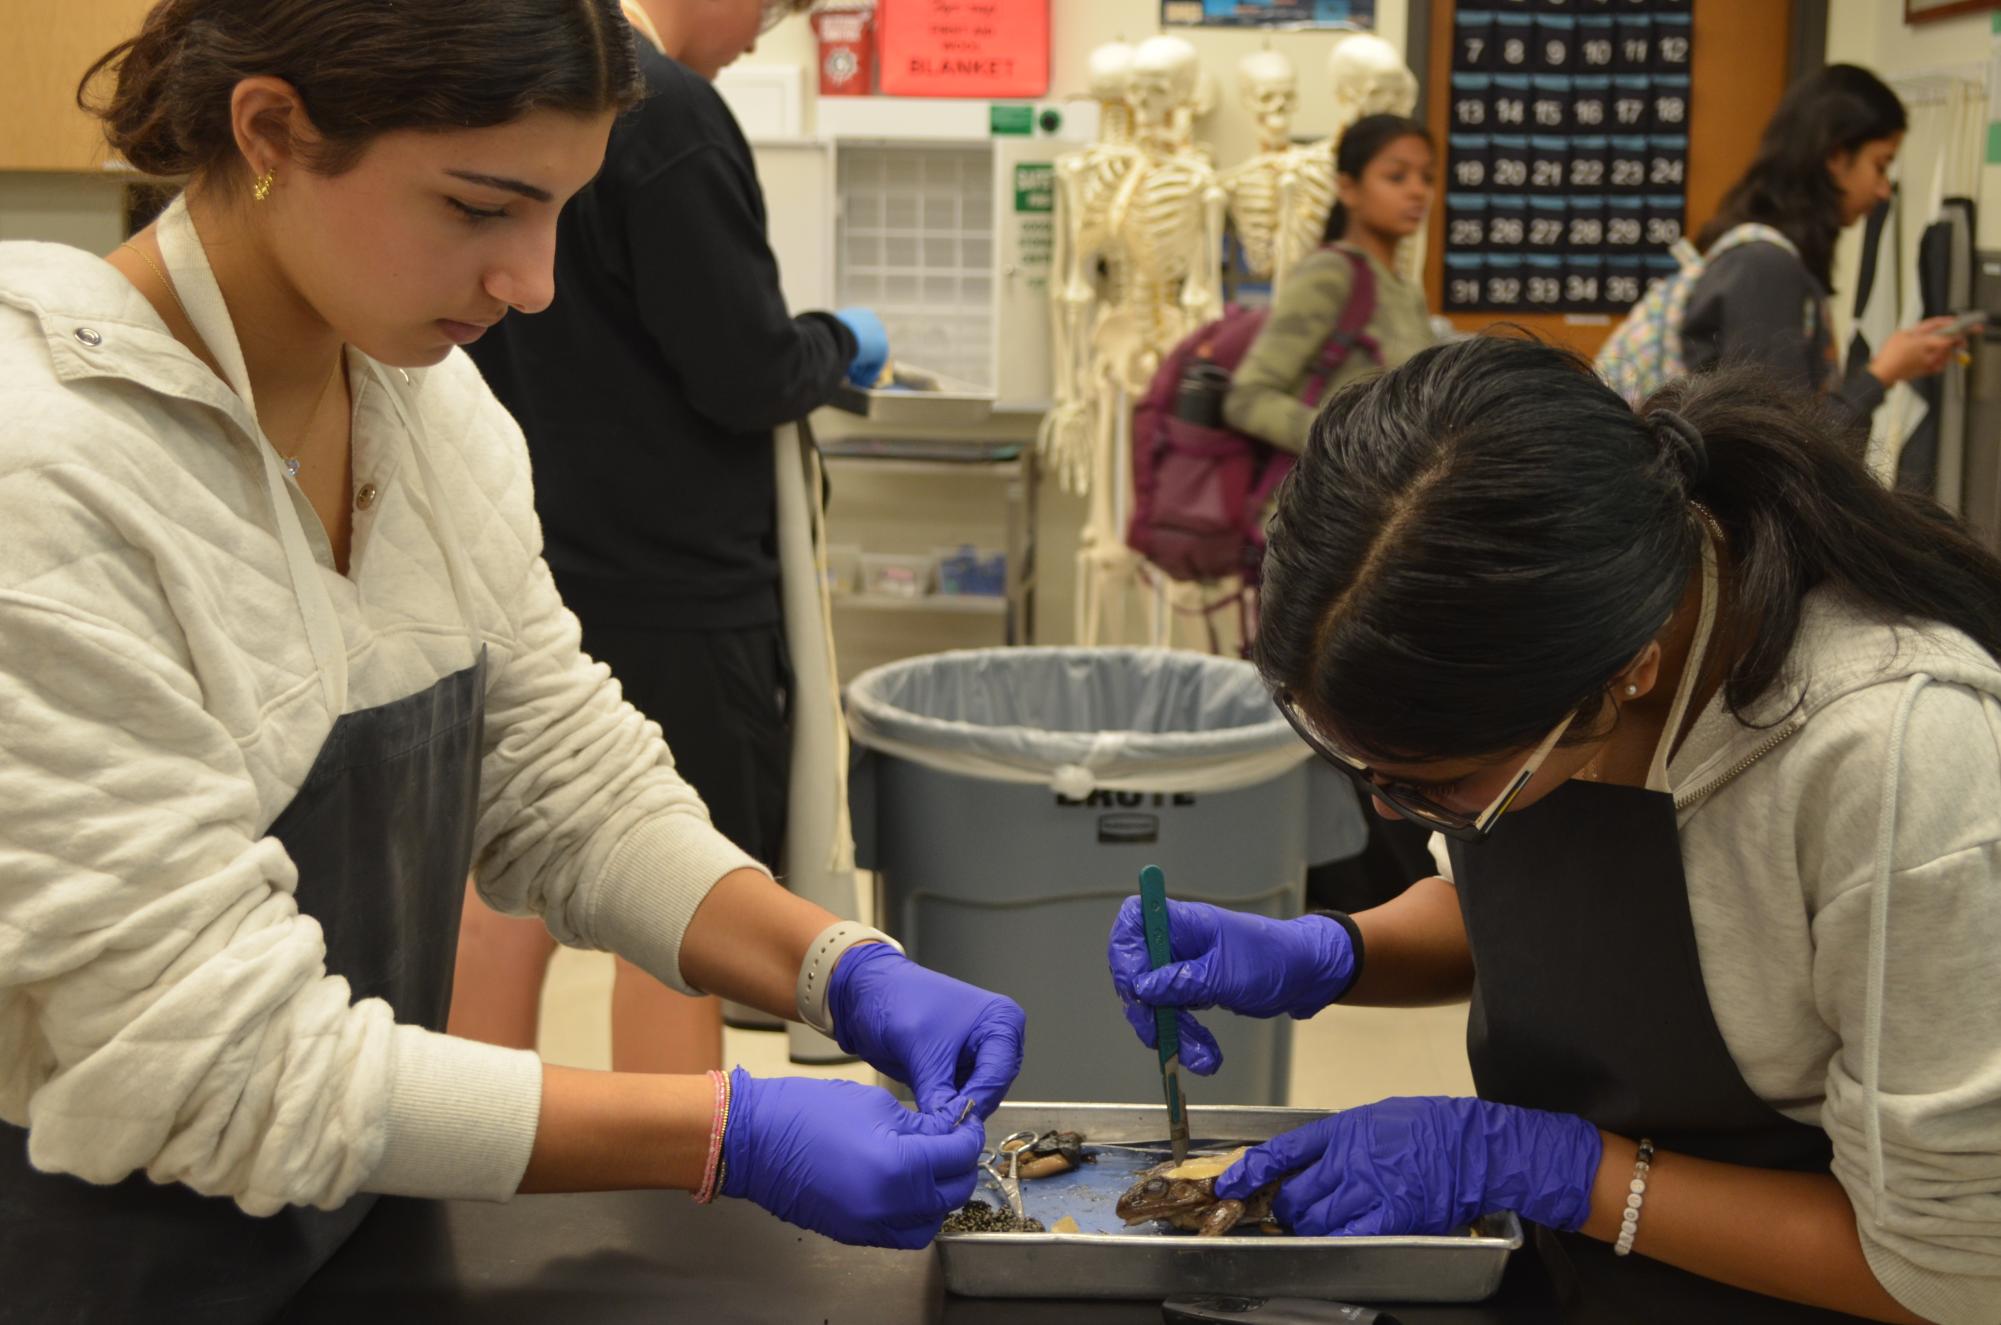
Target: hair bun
point(1683, 441)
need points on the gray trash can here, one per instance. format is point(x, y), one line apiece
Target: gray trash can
point(1007, 799)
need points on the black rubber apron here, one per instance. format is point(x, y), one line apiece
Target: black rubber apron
point(1588, 999)
point(381, 831)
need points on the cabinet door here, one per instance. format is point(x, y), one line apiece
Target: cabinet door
point(48, 47)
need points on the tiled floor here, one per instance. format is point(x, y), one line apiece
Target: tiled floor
point(1343, 1057)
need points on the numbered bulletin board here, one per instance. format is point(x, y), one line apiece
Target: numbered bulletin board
point(1567, 151)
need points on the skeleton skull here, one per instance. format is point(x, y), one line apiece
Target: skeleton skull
point(1370, 79)
point(1112, 73)
point(1268, 87)
point(1165, 75)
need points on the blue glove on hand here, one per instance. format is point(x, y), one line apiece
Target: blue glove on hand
point(846, 1160)
point(1231, 960)
point(1427, 1166)
point(871, 345)
point(947, 1040)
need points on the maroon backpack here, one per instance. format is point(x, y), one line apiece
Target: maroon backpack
point(1199, 490)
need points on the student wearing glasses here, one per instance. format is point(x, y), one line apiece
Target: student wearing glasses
point(1709, 727)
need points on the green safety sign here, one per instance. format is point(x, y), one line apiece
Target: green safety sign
point(1035, 188)
point(1014, 121)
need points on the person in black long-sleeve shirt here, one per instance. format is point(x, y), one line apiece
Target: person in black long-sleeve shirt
point(648, 392)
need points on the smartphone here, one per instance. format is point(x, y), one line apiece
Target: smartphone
point(1963, 323)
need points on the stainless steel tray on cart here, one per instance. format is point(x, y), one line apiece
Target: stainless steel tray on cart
point(920, 398)
point(1142, 1263)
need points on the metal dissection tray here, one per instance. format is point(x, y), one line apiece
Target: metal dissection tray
point(919, 398)
point(1107, 1260)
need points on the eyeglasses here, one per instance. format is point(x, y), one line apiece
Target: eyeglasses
point(1409, 801)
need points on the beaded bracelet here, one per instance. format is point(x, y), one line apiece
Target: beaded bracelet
point(1629, 1222)
point(712, 1168)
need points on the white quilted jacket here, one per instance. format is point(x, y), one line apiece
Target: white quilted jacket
point(163, 1005)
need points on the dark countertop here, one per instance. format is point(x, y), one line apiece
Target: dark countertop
point(657, 1257)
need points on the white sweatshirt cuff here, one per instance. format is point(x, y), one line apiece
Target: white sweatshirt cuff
point(651, 887)
point(461, 1119)
point(1946, 1298)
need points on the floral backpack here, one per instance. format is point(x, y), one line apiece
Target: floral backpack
point(1645, 352)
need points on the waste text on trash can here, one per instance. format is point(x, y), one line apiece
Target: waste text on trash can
point(1126, 800)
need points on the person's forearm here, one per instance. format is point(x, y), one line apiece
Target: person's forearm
point(1786, 1235)
point(1267, 413)
point(747, 941)
point(1414, 951)
point(617, 1131)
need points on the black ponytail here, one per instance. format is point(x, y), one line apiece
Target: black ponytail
point(1363, 142)
point(1474, 543)
point(1801, 510)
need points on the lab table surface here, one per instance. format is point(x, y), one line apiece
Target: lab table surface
point(656, 1257)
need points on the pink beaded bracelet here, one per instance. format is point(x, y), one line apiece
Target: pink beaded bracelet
point(712, 1169)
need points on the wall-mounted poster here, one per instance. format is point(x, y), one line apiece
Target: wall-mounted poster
point(1360, 14)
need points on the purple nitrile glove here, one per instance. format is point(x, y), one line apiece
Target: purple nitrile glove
point(847, 1160)
point(947, 1040)
point(1424, 1166)
point(1226, 959)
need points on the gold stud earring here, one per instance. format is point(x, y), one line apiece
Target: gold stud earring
point(262, 188)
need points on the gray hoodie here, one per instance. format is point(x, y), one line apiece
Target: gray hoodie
point(1844, 874)
point(1843, 855)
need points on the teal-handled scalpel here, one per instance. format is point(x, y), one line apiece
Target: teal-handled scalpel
point(1160, 951)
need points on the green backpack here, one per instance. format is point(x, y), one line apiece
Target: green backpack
point(1645, 352)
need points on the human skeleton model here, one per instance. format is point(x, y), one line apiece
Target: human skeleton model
point(1165, 228)
point(1167, 219)
point(1368, 79)
point(1268, 87)
point(1087, 275)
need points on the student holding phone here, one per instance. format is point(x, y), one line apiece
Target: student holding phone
point(1823, 165)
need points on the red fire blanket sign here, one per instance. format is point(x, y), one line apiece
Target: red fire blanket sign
point(964, 48)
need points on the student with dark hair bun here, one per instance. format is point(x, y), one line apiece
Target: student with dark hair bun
point(280, 659)
point(1707, 725)
point(1823, 164)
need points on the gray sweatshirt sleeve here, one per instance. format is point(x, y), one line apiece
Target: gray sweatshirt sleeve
point(1904, 931)
point(1755, 303)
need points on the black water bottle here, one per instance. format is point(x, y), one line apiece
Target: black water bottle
point(1198, 398)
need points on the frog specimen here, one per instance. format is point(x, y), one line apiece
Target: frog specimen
point(1185, 1196)
point(1052, 1153)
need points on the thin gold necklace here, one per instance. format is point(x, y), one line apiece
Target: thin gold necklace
point(292, 465)
point(292, 462)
